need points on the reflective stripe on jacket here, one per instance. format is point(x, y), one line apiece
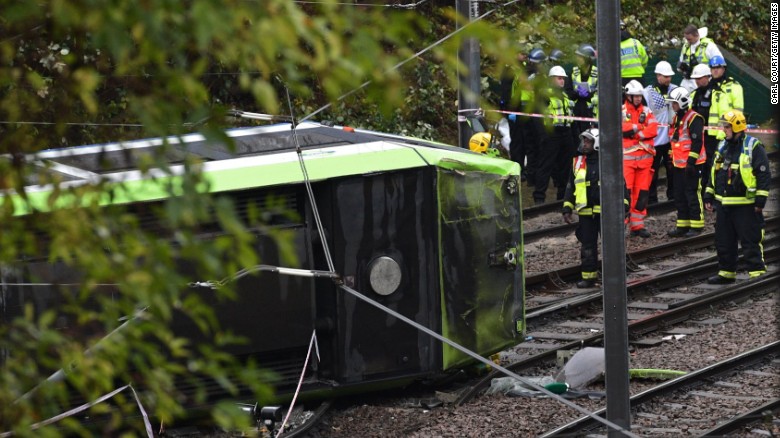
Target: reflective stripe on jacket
point(592, 83)
point(744, 166)
point(633, 58)
point(699, 56)
point(681, 149)
point(581, 184)
point(646, 130)
point(559, 106)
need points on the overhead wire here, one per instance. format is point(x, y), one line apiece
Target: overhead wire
point(360, 296)
point(410, 58)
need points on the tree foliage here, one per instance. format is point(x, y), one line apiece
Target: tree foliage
point(80, 71)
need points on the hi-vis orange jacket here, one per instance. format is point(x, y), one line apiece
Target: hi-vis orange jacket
point(641, 121)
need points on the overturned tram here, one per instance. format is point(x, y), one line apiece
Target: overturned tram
point(430, 231)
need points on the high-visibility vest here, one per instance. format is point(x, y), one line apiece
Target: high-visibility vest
point(633, 58)
point(559, 106)
point(681, 149)
point(699, 56)
point(592, 83)
point(581, 184)
point(745, 168)
point(725, 98)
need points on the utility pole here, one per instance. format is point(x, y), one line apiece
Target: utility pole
point(469, 85)
point(612, 216)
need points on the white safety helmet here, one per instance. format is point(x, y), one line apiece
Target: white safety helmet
point(557, 71)
point(700, 71)
point(664, 68)
point(633, 88)
point(681, 96)
point(593, 134)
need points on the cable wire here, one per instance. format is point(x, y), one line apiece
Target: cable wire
point(414, 56)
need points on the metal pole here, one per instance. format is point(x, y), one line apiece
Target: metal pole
point(613, 235)
point(469, 85)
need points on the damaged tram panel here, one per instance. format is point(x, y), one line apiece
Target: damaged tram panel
point(428, 230)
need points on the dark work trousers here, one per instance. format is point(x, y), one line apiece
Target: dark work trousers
point(587, 233)
point(530, 149)
point(517, 145)
point(743, 223)
point(687, 197)
point(555, 154)
point(710, 145)
point(662, 158)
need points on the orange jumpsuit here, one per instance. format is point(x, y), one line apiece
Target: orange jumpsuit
point(639, 130)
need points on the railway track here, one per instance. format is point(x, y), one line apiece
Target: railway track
point(553, 329)
point(738, 379)
point(554, 287)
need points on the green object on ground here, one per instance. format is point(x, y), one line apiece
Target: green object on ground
point(649, 373)
point(557, 387)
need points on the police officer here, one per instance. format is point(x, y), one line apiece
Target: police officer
point(728, 92)
point(633, 57)
point(582, 89)
point(656, 95)
point(518, 95)
point(738, 190)
point(556, 146)
point(583, 197)
point(687, 139)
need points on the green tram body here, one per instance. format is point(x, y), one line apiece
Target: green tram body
point(447, 219)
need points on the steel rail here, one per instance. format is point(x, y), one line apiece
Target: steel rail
point(571, 273)
point(637, 288)
point(761, 285)
point(743, 419)
point(723, 367)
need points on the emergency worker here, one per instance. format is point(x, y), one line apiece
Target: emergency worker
point(633, 57)
point(556, 147)
point(582, 89)
point(726, 95)
point(556, 55)
point(482, 143)
point(639, 131)
point(737, 191)
point(697, 49)
point(519, 98)
point(731, 89)
point(655, 96)
point(583, 196)
point(702, 103)
point(688, 155)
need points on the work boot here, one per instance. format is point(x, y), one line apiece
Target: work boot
point(717, 279)
point(678, 232)
point(585, 284)
point(693, 232)
point(643, 233)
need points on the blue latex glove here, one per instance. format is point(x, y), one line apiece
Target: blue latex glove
point(512, 117)
point(582, 91)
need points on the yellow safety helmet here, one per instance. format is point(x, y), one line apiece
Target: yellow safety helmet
point(736, 119)
point(480, 142)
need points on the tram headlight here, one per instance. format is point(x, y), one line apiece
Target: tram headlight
point(384, 275)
